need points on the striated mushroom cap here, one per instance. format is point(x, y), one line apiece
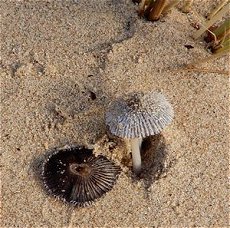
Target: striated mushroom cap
point(76, 176)
point(139, 115)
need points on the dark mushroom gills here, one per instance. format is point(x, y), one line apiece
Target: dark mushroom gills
point(78, 177)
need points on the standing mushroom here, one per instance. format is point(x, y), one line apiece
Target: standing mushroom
point(137, 116)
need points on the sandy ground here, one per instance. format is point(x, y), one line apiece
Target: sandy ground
point(55, 56)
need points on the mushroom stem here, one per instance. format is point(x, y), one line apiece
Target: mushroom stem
point(136, 155)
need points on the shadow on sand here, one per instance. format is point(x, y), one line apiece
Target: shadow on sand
point(153, 154)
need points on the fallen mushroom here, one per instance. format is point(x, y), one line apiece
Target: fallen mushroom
point(137, 116)
point(76, 176)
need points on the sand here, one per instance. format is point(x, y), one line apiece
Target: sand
point(55, 56)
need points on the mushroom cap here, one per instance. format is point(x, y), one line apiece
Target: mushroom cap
point(139, 115)
point(76, 176)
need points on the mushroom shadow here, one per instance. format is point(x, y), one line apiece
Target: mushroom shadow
point(154, 155)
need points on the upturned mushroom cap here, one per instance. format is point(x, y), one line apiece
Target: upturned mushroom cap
point(76, 176)
point(139, 115)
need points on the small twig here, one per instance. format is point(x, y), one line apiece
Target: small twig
point(215, 40)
